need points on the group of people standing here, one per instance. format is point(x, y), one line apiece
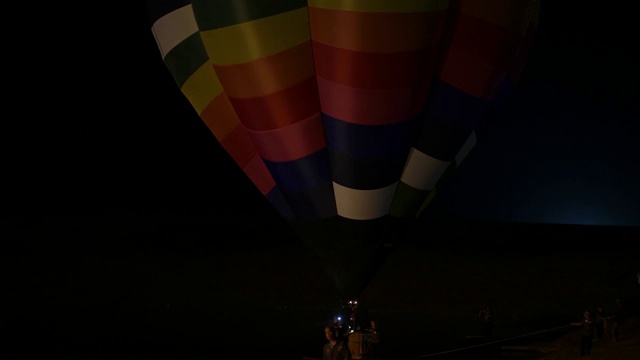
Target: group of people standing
point(595, 327)
point(342, 344)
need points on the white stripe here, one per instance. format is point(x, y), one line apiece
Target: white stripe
point(363, 204)
point(423, 171)
point(173, 28)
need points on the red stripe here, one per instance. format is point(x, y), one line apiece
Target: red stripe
point(257, 171)
point(472, 75)
point(491, 43)
point(371, 107)
point(267, 74)
point(219, 116)
point(480, 56)
point(239, 145)
point(291, 142)
point(373, 70)
point(279, 109)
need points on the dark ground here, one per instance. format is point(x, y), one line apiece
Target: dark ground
point(169, 287)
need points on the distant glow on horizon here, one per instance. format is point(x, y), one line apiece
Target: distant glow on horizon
point(574, 213)
point(549, 207)
point(582, 216)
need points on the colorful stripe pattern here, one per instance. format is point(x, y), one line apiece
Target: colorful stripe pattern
point(261, 52)
point(374, 62)
point(182, 49)
point(486, 43)
point(342, 107)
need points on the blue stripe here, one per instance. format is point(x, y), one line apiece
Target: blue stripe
point(366, 174)
point(302, 174)
point(367, 141)
point(368, 157)
point(277, 200)
point(306, 184)
point(311, 204)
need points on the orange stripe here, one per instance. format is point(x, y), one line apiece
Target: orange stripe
point(268, 74)
point(220, 117)
point(376, 32)
point(374, 70)
point(239, 145)
point(279, 109)
point(222, 121)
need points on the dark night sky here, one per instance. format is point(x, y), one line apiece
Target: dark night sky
point(565, 149)
point(100, 127)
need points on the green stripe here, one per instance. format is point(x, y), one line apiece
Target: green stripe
point(447, 174)
point(186, 58)
point(221, 13)
point(407, 201)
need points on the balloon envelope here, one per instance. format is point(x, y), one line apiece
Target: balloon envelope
point(346, 115)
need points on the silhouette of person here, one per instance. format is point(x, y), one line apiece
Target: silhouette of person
point(374, 340)
point(586, 339)
point(358, 342)
point(487, 321)
point(601, 323)
point(618, 317)
point(339, 329)
point(334, 349)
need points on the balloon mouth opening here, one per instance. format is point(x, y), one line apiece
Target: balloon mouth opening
point(351, 252)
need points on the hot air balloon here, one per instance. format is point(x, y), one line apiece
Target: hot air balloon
point(346, 115)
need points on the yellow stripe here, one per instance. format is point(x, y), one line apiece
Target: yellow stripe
point(254, 39)
point(381, 5)
point(202, 87)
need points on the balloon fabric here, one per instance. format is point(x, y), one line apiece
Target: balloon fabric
point(346, 115)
